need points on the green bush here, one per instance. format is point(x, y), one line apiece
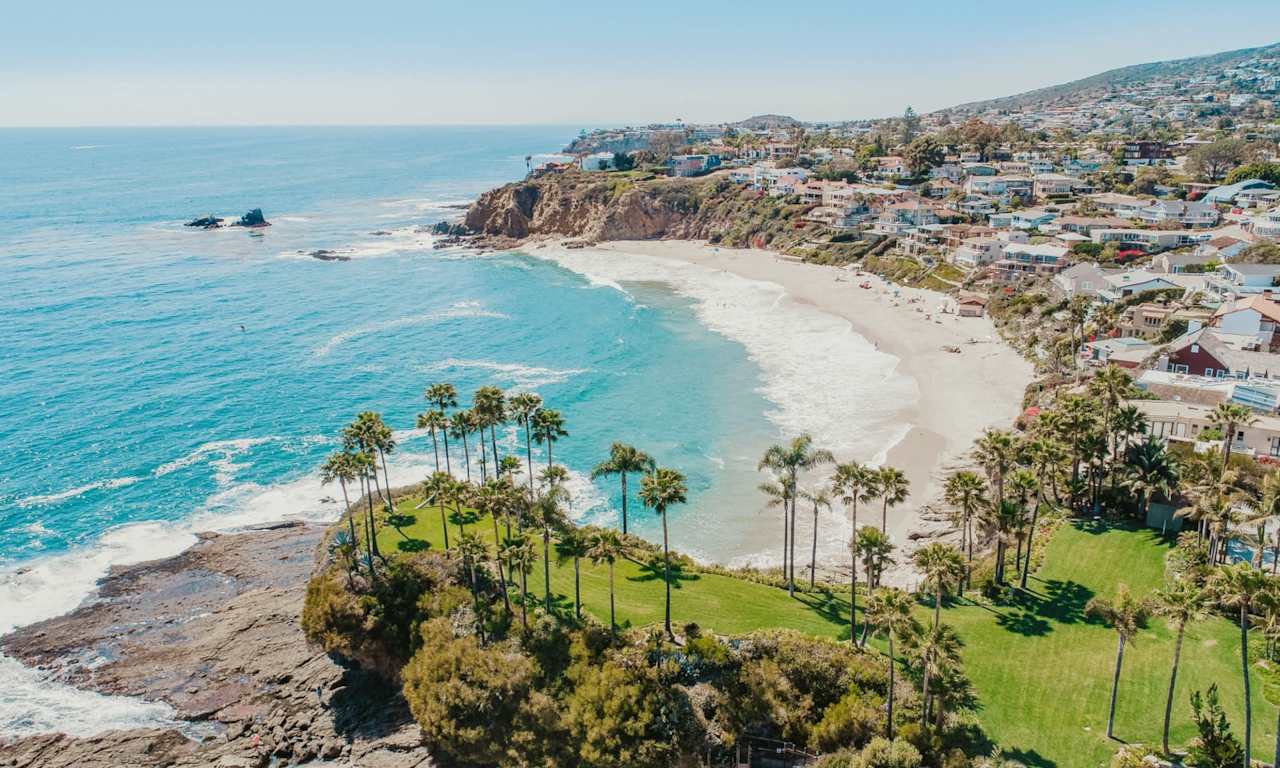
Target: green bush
point(850, 722)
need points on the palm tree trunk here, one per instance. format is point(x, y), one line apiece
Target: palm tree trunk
point(1244, 668)
point(524, 595)
point(447, 467)
point(351, 519)
point(624, 502)
point(813, 552)
point(791, 574)
point(387, 478)
point(786, 538)
point(924, 698)
point(466, 454)
point(444, 524)
point(1115, 688)
point(613, 623)
point(528, 451)
point(577, 589)
point(1173, 679)
point(853, 577)
point(1031, 532)
point(373, 525)
point(548, 453)
point(546, 567)
point(884, 517)
point(493, 441)
point(937, 607)
point(435, 448)
point(666, 573)
point(889, 720)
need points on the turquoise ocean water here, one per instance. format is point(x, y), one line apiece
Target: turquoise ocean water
point(158, 380)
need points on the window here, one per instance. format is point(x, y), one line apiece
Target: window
point(1208, 372)
point(1181, 369)
point(1275, 446)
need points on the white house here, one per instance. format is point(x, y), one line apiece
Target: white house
point(597, 161)
point(1184, 213)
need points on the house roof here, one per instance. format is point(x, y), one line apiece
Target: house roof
point(1230, 349)
point(1228, 192)
point(1260, 304)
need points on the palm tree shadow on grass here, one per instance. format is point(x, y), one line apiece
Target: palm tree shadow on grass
point(653, 571)
point(833, 609)
point(1033, 613)
point(466, 517)
point(1029, 757)
point(413, 545)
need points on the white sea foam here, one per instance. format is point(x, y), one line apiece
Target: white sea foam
point(820, 375)
point(82, 147)
point(520, 377)
point(454, 311)
point(50, 586)
point(80, 490)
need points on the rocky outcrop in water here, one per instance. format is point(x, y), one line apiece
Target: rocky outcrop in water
point(253, 218)
point(205, 222)
point(214, 633)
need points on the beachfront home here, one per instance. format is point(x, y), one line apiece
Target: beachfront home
point(1024, 260)
point(998, 186)
point(1144, 239)
point(1184, 422)
point(977, 251)
point(1121, 352)
point(1085, 225)
point(1083, 279)
point(1242, 279)
point(1262, 395)
point(1215, 353)
point(1124, 206)
point(1267, 224)
point(1173, 263)
point(1149, 319)
point(1256, 316)
point(971, 304)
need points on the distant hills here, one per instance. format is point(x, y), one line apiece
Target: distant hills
point(1132, 75)
point(766, 123)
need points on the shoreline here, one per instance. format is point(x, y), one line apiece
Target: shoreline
point(957, 395)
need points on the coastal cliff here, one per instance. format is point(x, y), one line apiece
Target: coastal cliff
point(636, 206)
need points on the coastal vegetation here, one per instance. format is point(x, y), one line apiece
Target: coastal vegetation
point(621, 647)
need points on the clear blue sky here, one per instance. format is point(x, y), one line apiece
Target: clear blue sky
point(141, 62)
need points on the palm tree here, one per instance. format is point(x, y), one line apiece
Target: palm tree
point(606, 547)
point(997, 452)
point(1045, 454)
point(1151, 470)
point(658, 491)
point(342, 466)
point(935, 650)
point(787, 461)
point(1126, 614)
point(443, 396)
point(546, 514)
point(574, 545)
point(368, 434)
point(877, 554)
point(853, 483)
point(459, 427)
point(943, 569)
point(364, 467)
point(474, 551)
point(894, 489)
point(1181, 603)
point(889, 612)
point(490, 404)
point(548, 428)
point(523, 405)
point(1111, 385)
point(1229, 417)
point(1266, 507)
point(521, 553)
point(1000, 522)
point(819, 497)
point(622, 460)
point(1127, 423)
point(1241, 588)
point(1023, 484)
point(491, 499)
point(438, 489)
point(966, 492)
point(436, 421)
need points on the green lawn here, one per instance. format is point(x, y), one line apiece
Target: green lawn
point(721, 604)
point(1041, 669)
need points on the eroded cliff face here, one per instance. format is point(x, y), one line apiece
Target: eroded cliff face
point(599, 207)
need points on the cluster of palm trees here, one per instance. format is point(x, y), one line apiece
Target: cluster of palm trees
point(933, 649)
point(848, 483)
point(523, 515)
point(1248, 595)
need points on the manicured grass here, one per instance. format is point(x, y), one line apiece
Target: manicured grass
point(1041, 669)
point(721, 604)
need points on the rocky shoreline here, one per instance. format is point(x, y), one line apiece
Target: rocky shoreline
point(214, 633)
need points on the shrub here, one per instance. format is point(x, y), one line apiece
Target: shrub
point(622, 715)
point(850, 722)
point(1216, 746)
point(882, 753)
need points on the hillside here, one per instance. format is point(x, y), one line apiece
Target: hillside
point(1135, 74)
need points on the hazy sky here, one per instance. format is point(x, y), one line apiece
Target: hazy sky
point(139, 62)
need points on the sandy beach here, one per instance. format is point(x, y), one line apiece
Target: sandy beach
point(959, 395)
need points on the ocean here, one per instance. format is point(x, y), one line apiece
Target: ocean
point(159, 380)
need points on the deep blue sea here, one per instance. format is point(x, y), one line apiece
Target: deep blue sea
point(157, 380)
